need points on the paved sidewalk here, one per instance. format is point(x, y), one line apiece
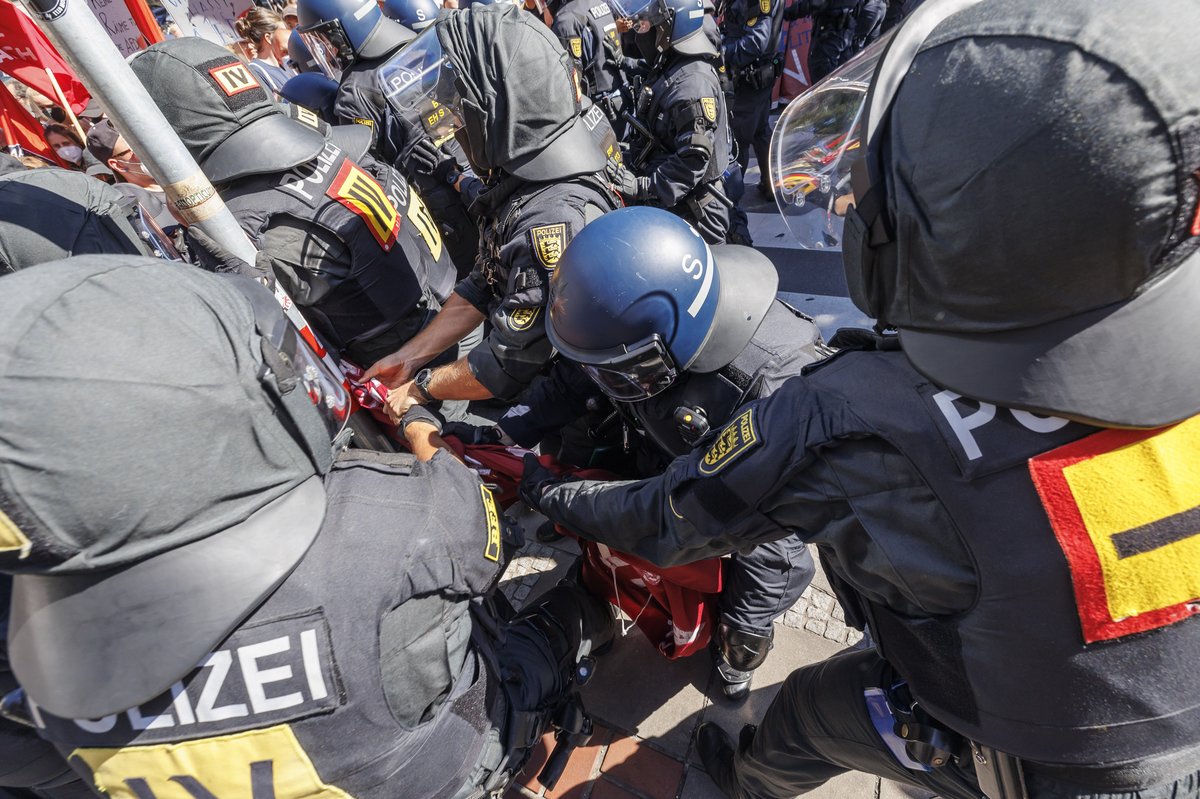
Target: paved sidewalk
point(646, 707)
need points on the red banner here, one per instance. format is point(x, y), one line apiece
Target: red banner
point(26, 54)
point(794, 80)
point(20, 128)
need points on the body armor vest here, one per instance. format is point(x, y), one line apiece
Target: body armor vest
point(687, 79)
point(291, 705)
point(782, 346)
point(398, 265)
point(1064, 656)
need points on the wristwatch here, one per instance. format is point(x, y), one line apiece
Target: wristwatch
point(421, 381)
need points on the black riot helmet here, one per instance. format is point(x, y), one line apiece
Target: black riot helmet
point(457, 77)
point(638, 297)
point(685, 26)
point(142, 545)
point(227, 120)
point(1027, 213)
point(48, 214)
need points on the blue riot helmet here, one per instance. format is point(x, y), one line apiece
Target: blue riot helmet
point(314, 91)
point(339, 31)
point(638, 297)
point(685, 26)
point(299, 54)
point(416, 15)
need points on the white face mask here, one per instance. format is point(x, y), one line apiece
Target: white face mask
point(70, 153)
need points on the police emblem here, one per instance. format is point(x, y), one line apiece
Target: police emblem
point(1125, 508)
point(738, 438)
point(764, 6)
point(522, 318)
point(709, 104)
point(549, 241)
point(577, 47)
point(492, 550)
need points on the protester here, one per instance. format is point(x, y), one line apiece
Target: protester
point(66, 143)
point(265, 30)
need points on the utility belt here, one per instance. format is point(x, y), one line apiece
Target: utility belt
point(921, 743)
point(760, 73)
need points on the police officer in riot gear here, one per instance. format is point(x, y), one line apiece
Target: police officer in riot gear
point(833, 33)
point(1005, 491)
point(682, 152)
point(352, 39)
point(749, 49)
point(353, 245)
point(303, 620)
point(544, 167)
point(588, 31)
point(626, 318)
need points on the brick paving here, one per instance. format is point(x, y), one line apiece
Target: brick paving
point(642, 748)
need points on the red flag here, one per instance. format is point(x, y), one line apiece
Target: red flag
point(143, 17)
point(20, 128)
point(26, 54)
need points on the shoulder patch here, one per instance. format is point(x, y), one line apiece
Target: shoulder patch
point(370, 123)
point(362, 195)
point(234, 78)
point(709, 104)
point(739, 437)
point(764, 6)
point(576, 46)
point(549, 241)
point(1125, 508)
point(492, 550)
point(522, 318)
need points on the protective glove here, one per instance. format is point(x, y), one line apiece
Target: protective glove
point(536, 479)
point(627, 184)
point(421, 156)
point(472, 434)
point(215, 258)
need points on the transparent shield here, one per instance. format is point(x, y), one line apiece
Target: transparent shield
point(418, 82)
point(814, 145)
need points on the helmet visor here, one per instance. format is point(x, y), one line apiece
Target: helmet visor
point(419, 83)
point(631, 9)
point(290, 357)
point(636, 373)
point(814, 146)
point(330, 47)
point(151, 233)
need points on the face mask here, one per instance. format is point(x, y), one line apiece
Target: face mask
point(70, 153)
point(134, 168)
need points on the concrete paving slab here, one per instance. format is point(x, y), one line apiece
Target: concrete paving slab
point(793, 648)
point(896, 790)
point(639, 691)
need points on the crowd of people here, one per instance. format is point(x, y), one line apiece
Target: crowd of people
point(517, 228)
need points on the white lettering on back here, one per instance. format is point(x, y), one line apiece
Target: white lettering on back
point(257, 679)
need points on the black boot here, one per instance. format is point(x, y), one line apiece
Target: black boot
point(714, 747)
point(738, 655)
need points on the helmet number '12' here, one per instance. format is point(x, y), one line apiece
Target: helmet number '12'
point(699, 271)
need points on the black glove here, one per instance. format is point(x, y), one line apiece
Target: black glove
point(215, 258)
point(536, 479)
point(627, 184)
point(472, 433)
point(421, 155)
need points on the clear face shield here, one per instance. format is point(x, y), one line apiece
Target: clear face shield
point(814, 145)
point(419, 83)
point(330, 47)
point(633, 373)
point(151, 233)
point(642, 14)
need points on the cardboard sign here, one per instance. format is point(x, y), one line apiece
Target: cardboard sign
point(208, 19)
point(114, 16)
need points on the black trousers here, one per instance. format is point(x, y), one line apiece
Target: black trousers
point(752, 127)
point(818, 727)
point(763, 583)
